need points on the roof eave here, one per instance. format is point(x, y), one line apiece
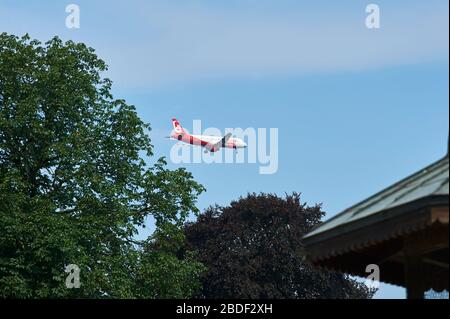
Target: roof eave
point(408, 216)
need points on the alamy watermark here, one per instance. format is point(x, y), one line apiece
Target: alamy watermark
point(373, 19)
point(373, 279)
point(73, 277)
point(73, 17)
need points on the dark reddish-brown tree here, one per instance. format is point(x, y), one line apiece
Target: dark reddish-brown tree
point(253, 249)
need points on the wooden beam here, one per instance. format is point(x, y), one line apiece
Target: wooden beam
point(435, 263)
point(440, 214)
point(426, 241)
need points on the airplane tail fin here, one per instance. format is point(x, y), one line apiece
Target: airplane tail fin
point(177, 127)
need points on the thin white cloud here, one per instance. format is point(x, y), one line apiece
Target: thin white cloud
point(156, 44)
point(194, 43)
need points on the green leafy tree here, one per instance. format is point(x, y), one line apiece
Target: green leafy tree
point(253, 249)
point(74, 186)
point(167, 268)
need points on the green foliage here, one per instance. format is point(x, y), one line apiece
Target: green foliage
point(168, 267)
point(74, 186)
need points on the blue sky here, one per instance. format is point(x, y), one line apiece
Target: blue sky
point(356, 109)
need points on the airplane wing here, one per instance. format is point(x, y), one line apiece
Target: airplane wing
point(215, 147)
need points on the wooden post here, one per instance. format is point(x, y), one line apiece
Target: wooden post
point(415, 288)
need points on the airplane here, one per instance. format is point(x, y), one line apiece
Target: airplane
point(210, 143)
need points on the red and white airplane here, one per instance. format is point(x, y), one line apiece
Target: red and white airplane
point(210, 143)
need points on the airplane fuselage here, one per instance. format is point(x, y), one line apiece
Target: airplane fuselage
point(204, 140)
point(211, 143)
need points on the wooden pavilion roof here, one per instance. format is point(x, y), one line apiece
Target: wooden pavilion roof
point(407, 218)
